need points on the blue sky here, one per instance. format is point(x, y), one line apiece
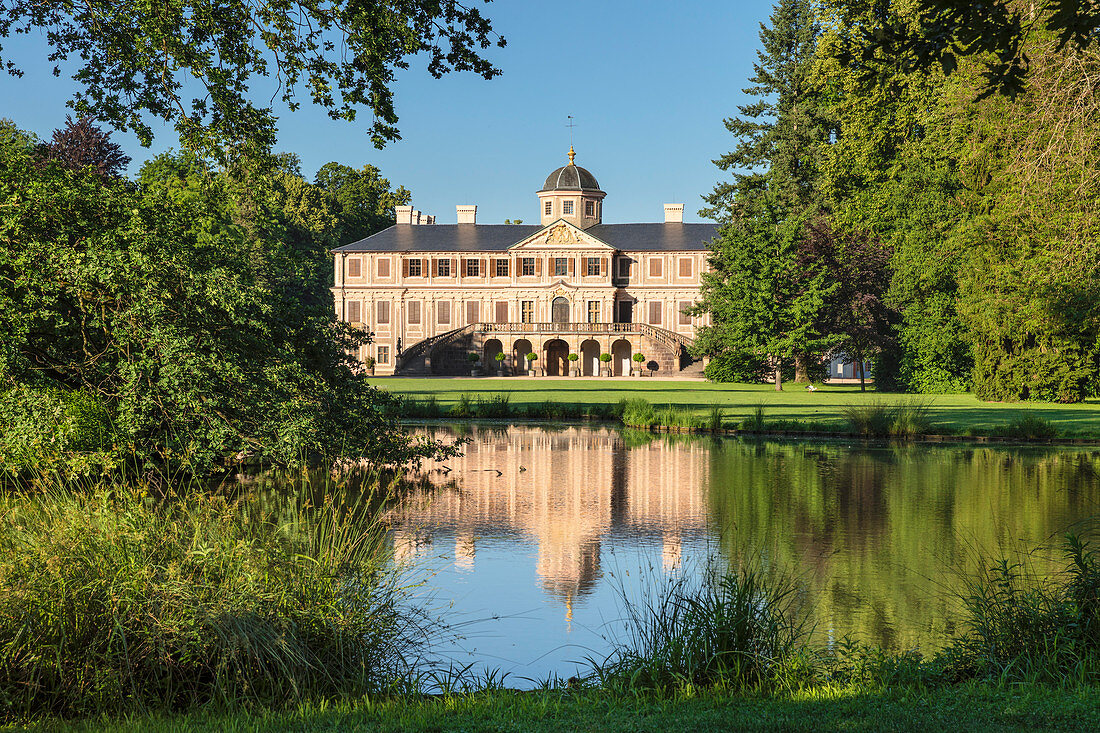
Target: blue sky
point(648, 84)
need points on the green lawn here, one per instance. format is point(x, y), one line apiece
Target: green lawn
point(965, 708)
point(956, 412)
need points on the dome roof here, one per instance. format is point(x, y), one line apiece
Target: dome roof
point(571, 178)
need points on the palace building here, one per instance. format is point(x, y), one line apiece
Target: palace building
point(434, 293)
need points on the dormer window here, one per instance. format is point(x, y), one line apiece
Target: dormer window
point(548, 208)
point(567, 208)
point(590, 209)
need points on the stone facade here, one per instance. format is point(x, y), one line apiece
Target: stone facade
point(432, 293)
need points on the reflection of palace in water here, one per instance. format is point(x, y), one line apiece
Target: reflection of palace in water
point(566, 490)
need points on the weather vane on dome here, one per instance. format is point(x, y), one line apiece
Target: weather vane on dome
point(571, 125)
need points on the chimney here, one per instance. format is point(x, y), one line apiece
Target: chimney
point(467, 214)
point(404, 214)
point(674, 213)
point(416, 217)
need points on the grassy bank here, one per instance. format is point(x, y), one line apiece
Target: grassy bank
point(125, 607)
point(968, 707)
point(755, 408)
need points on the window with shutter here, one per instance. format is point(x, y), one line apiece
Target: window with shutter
point(473, 311)
point(685, 267)
point(443, 312)
point(502, 311)
point(382, 311)
point(355, 267)
point(501, 268)
point(384, 267)
point(685, 319)
point(603, 266)
point(443, 267)
point(591, 266)
point(353, 311)
point(527, 266)
point(655, 312)
point(561, 267)
point(624, 267)
point(454, 267)
point(527, 311)
point(655, 267)
point(413, 311)
point(473, 268)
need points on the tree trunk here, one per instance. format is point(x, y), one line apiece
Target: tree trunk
point(802, 368)
point(779, 376)
point(862, 376)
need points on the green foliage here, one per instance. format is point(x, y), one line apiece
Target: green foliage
point(134, 64)
point(473, 357)
point(605, 358)
point(113, 600)
point(1027, 426)
point(735, 630)
point(573, 357)
point(361, 200)
point(1019, 627)
point(882, 420)
point(191, 309)
point(639, 357)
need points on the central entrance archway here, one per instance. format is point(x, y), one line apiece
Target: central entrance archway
point(559, 310)
point(556, 363)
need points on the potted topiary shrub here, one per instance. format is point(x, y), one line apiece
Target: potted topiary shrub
point(638, 359)
point(574, 368)
point(605, 359)
point(531, 363)
point(500, 357)
point(368, 364)
point(473, 357)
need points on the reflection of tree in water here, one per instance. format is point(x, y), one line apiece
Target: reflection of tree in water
point(882, 532)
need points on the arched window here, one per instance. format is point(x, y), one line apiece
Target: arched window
point(559, 310)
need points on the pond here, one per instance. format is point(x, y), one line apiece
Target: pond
point(535, 534)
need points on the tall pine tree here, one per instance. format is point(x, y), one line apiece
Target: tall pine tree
point(774, 187)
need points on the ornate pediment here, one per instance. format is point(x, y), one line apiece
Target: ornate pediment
point(561, 235)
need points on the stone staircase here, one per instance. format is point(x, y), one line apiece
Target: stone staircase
point(418, 360)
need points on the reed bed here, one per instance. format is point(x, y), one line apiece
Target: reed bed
point(116, 598)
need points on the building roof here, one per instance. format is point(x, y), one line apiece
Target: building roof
point(571, 178)
point(658, 237)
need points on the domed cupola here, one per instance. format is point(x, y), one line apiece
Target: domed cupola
point(571, 193)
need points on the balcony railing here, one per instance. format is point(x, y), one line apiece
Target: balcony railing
point(559, 327)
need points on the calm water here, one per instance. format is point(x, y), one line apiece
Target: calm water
point(534, 534)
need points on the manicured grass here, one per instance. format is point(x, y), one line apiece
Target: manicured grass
point(969, 708)
point(956, 413)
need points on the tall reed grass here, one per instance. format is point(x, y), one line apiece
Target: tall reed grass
point(881, 420)
point(740, 629)
point(115, 599)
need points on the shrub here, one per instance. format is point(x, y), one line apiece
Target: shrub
point(500, 356)
point(531, 357)
point(473, 357)
point(639, 357)
point(605, 357)
point(573, 357)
